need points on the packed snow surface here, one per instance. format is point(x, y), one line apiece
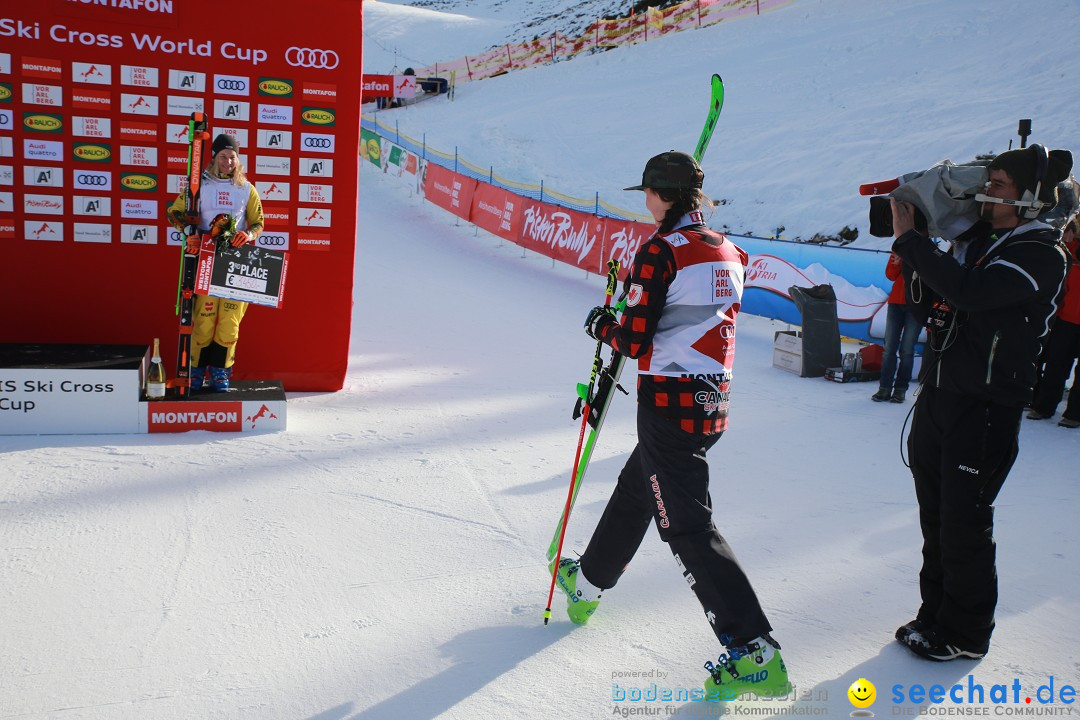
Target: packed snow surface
point(384, 557)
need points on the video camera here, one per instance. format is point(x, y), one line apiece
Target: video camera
point(944, 197)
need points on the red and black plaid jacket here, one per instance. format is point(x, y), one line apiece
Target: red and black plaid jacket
point(676, 398)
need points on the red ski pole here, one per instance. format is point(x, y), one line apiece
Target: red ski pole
point(609, 292)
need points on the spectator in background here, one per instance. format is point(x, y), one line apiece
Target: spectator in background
point(1063, 345)
point(901, 333)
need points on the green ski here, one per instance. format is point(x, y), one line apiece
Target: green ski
point(716, 102)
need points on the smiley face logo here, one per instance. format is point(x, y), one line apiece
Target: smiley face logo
point(862, 693)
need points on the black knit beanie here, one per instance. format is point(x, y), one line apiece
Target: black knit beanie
point(224, 142)
point(1021, 165)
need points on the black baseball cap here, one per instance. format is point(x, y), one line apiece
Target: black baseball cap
point(671, 170)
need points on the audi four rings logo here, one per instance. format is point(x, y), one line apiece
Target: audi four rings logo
point(224, 84)
point(316, 142)
point(91, 179)
point(271, 240)
point(311, 58)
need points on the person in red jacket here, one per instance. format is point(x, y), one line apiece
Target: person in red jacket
point(1063, 344)
point(901, 333)
point(683, 295)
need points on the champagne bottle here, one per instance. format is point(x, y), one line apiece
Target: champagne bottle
point(155, 375)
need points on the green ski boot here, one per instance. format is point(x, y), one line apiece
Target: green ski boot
point(579, 605)
point(755, 668)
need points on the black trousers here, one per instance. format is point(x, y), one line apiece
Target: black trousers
point(666, 481)
point(961, 450)
point(1062, 348)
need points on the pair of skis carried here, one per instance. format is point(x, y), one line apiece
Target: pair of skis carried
point(595, 397)
point(189, 261)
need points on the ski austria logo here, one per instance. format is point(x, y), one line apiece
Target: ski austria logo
point(318, 116)
point(263, 412)
point(275, 87)
point(42, 122)
point(91, 152)
point(312, 58)
point(139, 181)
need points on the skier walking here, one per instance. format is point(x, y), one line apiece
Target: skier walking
point(216, 327)
point(682, 298)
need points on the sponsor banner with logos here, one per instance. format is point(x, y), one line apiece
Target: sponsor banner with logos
point(94, 103)
point(37, 401)
point(171, 416)
point(568, 236)
point(371, 147)
point(449, 190)
point(588, 242)
point(496, 210)
point(389, 86)
point(620, 241)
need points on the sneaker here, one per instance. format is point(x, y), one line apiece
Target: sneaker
point(906, 630)
point(580, 603)
point(1036, 415)
point(756, 668)
point(881, 395)
point(198, 375)
point(898, 396)
point(219, 378)
point(932, 644)
point(1068, 422)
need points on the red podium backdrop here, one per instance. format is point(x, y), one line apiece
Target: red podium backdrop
point(94, 101)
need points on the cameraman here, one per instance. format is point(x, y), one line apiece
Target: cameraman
point(990, 299)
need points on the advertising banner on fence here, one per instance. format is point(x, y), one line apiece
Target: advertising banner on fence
point(96, 98)
point(856, 276)
point(497, 210)
point(622, 238)
point(569, 236)
point(389, 86)
point(449, 190)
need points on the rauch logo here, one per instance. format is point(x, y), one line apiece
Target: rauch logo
point(91, 153)
point(43, 123)
point(318, 116)
point(134, 181)
point(276, 87)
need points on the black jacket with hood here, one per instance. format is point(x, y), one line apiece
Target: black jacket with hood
point(989, 301)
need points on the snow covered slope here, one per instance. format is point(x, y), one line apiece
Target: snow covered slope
point(821, 97)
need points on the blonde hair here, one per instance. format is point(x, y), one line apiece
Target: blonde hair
point(239, 177)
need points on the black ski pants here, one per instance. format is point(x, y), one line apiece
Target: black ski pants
point(1062, 349)
point(961, 450)
point(666, 481)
